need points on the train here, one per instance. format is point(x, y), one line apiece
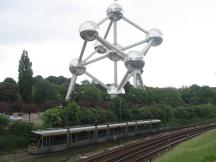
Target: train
point(59, 139)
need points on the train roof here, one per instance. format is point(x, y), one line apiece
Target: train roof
point(61, 131)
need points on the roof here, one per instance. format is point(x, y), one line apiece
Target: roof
point(61, 131)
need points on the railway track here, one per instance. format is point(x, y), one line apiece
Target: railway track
point(136, 151)
point(148, 148)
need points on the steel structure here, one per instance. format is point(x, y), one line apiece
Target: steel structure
point(133, 60)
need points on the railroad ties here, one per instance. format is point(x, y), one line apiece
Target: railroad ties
point(149, 148)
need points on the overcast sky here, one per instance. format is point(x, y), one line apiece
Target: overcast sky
point(49, 31)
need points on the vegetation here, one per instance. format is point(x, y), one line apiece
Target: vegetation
point(25, 83)
point(3, 121)
point(90, 104)
point(16, 136)
point(199, 149)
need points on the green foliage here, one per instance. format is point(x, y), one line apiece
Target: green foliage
point(16, 136)
point(58, 80)
point(195, 95)
point(8, 92)
point(155, 96)
point(90, 94)
point(71, 114)
point(20, 128)
point(74, 115)
point(140, 113)
point(53, 117)
point(3, 120)
point(25, 78)
point(96, 116)
point(120, 108)
point(43, 91)
point(10, 81)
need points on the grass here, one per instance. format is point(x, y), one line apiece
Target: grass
point(198, 149)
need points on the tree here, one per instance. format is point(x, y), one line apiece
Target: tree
point(4, 107)
point(25, 78)
point(53, 117)
point(10, 80)
point(29, 108)
point(43, 90)
point(90, 94)
point(120, 108)
point(8, 92)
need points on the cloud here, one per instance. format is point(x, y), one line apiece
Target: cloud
point(49, 31)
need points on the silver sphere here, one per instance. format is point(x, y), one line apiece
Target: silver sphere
point(100, 48)
point(114, 90)
point(75, 68)
point(113, 55)
point(134, 61)
point(156, 36)
point(88, 30)
point(115, 11)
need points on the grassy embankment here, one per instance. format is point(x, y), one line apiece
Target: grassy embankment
point(198, 149)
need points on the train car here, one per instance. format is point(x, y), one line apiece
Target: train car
point(53, 140)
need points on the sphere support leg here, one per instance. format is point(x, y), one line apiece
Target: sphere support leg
point(97, 80)
point(135, 25)
point(71, 87)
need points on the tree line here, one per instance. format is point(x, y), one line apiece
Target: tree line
point(32, 94)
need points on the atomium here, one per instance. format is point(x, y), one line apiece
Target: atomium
point(115, 52)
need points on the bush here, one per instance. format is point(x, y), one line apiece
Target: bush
point(3, 120)
point(74, 115)
point(71, 114)
point(140, 114)
point(198, 112)
point(53, 117)
point(20, 128)
point(16, 136)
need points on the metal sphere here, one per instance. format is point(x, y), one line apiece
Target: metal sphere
point(114, 90)
point(75, 68)
point(113, 55)
point(100, 48)
point(115, 11)
point(156, 36)
point(88, 30)
point(134, 61)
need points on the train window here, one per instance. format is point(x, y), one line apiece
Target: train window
point(73, 137)
point(45, 141)
point(59, 139)
point(131, 129)
point(118, 130)
point(82, 136)
point(91, 134)
point(102, 133)
point(143, 127)
point(34, 138)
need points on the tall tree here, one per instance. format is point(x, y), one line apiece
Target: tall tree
point(25, 79)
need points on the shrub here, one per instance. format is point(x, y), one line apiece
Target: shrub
point(16, 136)
point(53, 117)
point(140, 114)
point(20, 128)
point(3, 120)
